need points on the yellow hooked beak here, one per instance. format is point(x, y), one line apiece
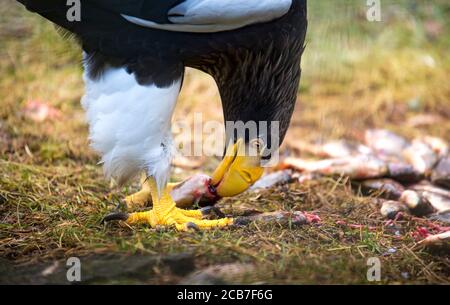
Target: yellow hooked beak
point(238, 170)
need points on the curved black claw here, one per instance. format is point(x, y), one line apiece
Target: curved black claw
point(211, 209)
point(115, 216)
point(192, 226)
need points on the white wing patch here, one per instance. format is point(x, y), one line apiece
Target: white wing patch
point(207, 16)
point(130, 125)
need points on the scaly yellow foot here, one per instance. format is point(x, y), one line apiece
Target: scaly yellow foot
point(165, 213)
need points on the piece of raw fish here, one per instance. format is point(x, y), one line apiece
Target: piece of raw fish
point(342, 148)
point(426, 186)
point(332, 149)
point(305, 177)
point(438, 145)
point(273, 179)
point(358, 168)
point(390, 209)
point(416, 203)
point(441, 173)
point(385, 188)
point(195, 190)
point(385, 143)
point(439, 202)
point(444, 217)
point(403, 172)
point(421, 156)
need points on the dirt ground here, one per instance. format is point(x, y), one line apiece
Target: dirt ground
point(356, 75)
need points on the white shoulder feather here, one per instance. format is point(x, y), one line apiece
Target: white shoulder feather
point(217, 15)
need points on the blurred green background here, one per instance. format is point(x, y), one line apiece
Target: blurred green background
point(356, 73)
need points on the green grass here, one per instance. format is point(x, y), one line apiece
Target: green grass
point(356, 75)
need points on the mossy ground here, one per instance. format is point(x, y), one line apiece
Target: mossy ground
point(356, 75)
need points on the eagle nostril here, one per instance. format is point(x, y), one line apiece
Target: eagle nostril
point(246, 176)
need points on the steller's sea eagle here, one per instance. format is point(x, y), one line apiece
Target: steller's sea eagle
point(135, 54)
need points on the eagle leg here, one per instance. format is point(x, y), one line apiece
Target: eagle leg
point(165, 213)
point(143, 198)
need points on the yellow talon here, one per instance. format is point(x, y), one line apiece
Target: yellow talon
point(165, 213)
point(138, 200)
point(143, 198)
point(141, 217)
point(192, 213)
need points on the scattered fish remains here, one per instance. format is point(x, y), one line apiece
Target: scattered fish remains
point(421, 156)
point(416, 203)
point(439, 146)
point(196, 190)
point(441, 173)
point(410, 177)
point(403, 172)
point(387, 188)
point(443, 216)
point(385, 144)
point(358, 167)
point(332, 149)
